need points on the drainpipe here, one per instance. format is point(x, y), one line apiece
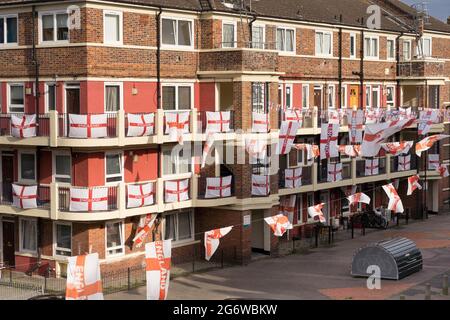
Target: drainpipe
point(361, 69)
point(397, 58)
point(340, 64)
point(250, 26)
point(158, 75)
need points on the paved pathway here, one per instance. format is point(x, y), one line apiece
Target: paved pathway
point(321, 273)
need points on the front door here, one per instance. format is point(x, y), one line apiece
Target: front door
point(7, 177)
point(318, 97)
point(258, 231)
point(354, 97)
point(8, 243)
point(73, 100)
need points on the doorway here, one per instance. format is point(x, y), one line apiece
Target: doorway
point(318, 101)
point(8, 243)
point(73, 99)
point(225, 94)
point(324, 198)
point(258, 237)
point(354, 97)
point(7, 177)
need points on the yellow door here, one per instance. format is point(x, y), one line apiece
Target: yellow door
point(354, 97)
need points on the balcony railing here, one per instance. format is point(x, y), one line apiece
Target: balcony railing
point(202, 184)
point(322, 172)
point(307, 116)
point(43, 195)
point(42, 124)
point(64, 198)
point(306, 177)
point(65, 126)
point(422, 68)
point(361, 167)
point(202, 122)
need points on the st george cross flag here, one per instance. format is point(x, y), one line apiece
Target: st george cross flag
point(333, 116)
point(219, 187)
point(328, 141)
point(158, 256)
point(212, 240)
point(256, 148)
point(141, 125)
point(279, 224)
point(260, 185)
point(413, 184)
point(316, 213)
point(295, 115)
point(349, 190)
point(426, 120)
point(359, 197)
point(144, 227)
point(218, 121)
point(176, 190)
point(404, 163)
point(373, 116)
point(428, 142)
point(88, 199)
point(23, 126)
point(312, 151)
point(288, 131)
point(83, 278)
point(140, 195)
point(209, 143)
point(350, 150)
point(397, 148)
point(404, 113)
point(355, 119)
point(177, 124)
point(443, 170)
point(24, 197)
point(395, 203)
point(334, 172)
point(287, 207)
point(293, 178)
point(372, 167)
point(260, 122)
point(433, 161)
point(88, 126)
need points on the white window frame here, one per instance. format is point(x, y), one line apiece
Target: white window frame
point(421, 43)
point(371, 37)
point(5, 31)
point(408, 58)
point(176, 241)
point(370, 96)
point(176, 45)
point(323, 54)
point(118, 14)
point(299, 207)
point(54, 174)
point(111, 84)
point(21, 249)
point(375, 89)
point(46, 95)
point(280, 89)
point(353, 35)
point(394, 48)
point(294, 44)
point(291, 98)
point(8, 96)
point(177, 174)
point(234, 24)
point(263, 44)
point(55, 27)
point(22, 180)
point(122, 239)
point(307, 95)
point(177, 85)
point(344, 96)
point(121, 174)
point(55, 242)
point(391, 103)
point(331, 87)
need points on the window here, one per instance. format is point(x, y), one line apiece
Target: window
point(424, 48)
point(113, 97)
point(179, 226)
point(371, 47)
point(229, 35)
point(259, 97)
point(50, 97)
point(63, 239)
point(288, 96)
point(176, 32)
point(258, 37)
point(406, 49)
point(113, 167)
point(344, 96)
point(63, 167)
point(16, 101)
point(175, 161)
point(352, 45)
point(433, 100)
point(390, 96)
point(176, 97)
point(261, 166)
point(305, 96)
point(368, 96)
point(112, 27)
point(27, 166)
point(390, 49)
point(285, 39)
point(28, 235)
point(299, 208)
point(331, 96)
point(8, 30)
point(323, 43)
point(375, 97)
point(54, 27)
point(114, 239)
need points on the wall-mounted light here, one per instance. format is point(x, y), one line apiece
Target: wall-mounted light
point(134, 90)
point(28, 91)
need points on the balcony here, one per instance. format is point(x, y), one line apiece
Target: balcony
point(420, 68)
point(286, 185)
point(42, 137)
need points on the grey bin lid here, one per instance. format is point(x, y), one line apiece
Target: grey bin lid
point(397, 258)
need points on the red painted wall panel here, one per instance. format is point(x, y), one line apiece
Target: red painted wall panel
point(145, 169)
point(45, 167)
point(144, 101)
point(88, 169)
point(297, 99)
point(3, 95)
point(205, 93)
point(92, 97)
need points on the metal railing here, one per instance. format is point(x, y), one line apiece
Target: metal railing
point(306, 177)
point(322, 171)
point(42, 124)
point(306, 114)
point(43, 195)
point(202, 122)
point(361, 167)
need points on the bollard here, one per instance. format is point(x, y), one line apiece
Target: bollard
point(428, 291)
point(353, 230)
point(445, 285)
point(129, 278)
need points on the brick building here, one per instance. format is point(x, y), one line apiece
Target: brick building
point(122, 58)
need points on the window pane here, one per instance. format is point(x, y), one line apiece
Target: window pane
point(29, 235)
point(16, 95)
point(184, 226)
point(367, 47)
point(11, 30)
point(327, 43)
point(228, 35)
point(62, 27)
point(62, 165)
point(305, 97)
point(113, 164)
point(280, 39)
point(168, 98)
point(319, 45)
point(289, 40)
point(352, 46)
point(170, 227)
point(63, 236)
point(368, 96)
point(168, 163)
point(374, 47)
point(112, 28)
point(375, 99)
point(51, 97)
point(47, 28)
point(113, 236)
point(288, 97)
point(184, 33)
point(2, 30)
point(258, 37)
point(168, 31)
point(112, 98)
point(27, 166)
point(184, 98)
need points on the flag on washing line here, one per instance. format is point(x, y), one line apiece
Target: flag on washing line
point(359, 197)
point(395, 203)
point(212, 240)
point(140, 125)
point(433, 162)
point(145, 225)
point(350, 150)
point(328, 141)
point(413, 184)
point(355, 120)
point(207, 148)
point(287, 207)
point(83, 278)
point(397, 148)
point(428, 142)
point(404, 163)
point(426, 119)
point(288, 132)
point(316, 213)
point(295, 115)
point(158, 262)
point(443, 170)
point(279, 224)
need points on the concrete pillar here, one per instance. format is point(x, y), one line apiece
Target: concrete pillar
point(121, 199)
point(54, 201)
point(120, 127)
point(159, 124)
point(54, 128)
